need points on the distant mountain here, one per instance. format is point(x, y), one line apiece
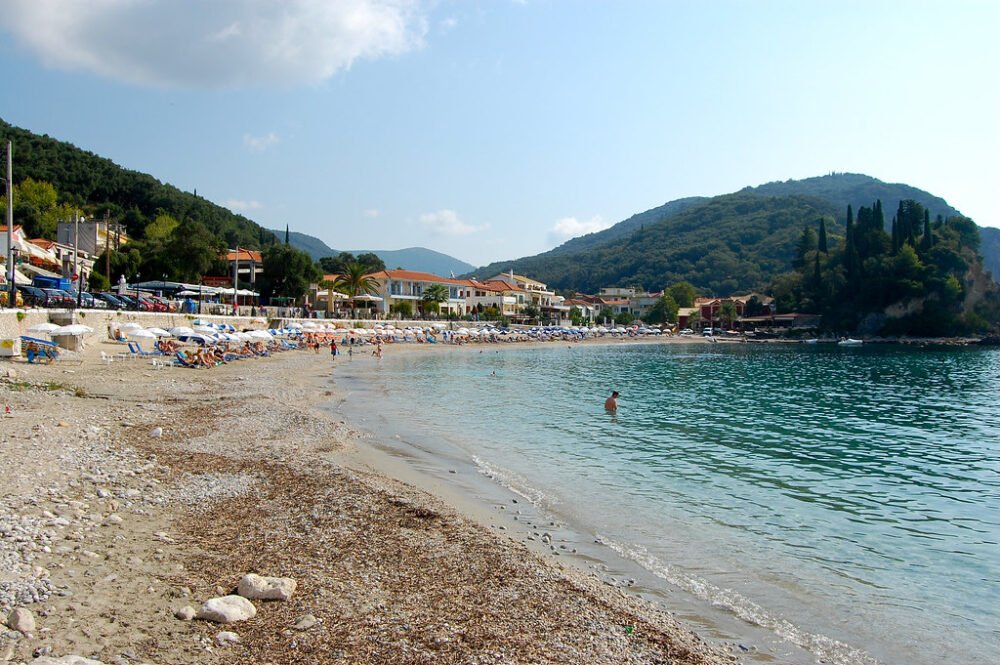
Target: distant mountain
point(311, 245)
point(989, 248)
point(418, 259)
point(727, 243)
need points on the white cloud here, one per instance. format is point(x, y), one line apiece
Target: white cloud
point(237, 205)
point(448, 24)
point(448, 223)
point(571, 227)
point(219, 44)
point(372, 212)
point(260, 143)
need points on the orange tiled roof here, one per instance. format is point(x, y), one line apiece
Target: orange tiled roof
point(245, 255)
point(414, 276)
point(44, 243)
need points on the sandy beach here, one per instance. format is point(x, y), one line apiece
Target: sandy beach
point(131, 493)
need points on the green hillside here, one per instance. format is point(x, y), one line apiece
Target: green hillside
point(855, 190)
point(736, 242)
point(99, 186)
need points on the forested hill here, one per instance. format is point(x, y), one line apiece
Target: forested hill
point(728, 243)
point(856, 190)
point(99, 186)
point(731, 243)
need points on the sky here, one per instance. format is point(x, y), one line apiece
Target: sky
point(492, 130)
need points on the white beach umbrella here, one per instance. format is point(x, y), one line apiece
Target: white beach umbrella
point(260, 334)
point(140, 334)
point(205, 330)
point(181, 330)
point(158, 332)
point(294, 324)
point(72, 329)
point(130, 325)
point(43, 328)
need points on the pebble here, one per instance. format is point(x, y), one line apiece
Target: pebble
point(21, 620)
point(227, 638)
point(256, 587)
point(186, 613)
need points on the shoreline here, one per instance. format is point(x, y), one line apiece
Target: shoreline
point(249, 474)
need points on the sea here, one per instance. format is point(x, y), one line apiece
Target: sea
point(799, 503)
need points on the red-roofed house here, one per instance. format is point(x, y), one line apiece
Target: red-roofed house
point(408, 286)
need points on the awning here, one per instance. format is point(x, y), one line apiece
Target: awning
point(35, 270)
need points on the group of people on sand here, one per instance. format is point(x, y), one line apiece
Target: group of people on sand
point(219, 354)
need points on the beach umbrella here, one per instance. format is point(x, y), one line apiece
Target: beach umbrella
point(43, 328)
point(204, 330)
point(140, 334)
point(72, 329)
point(129, 325)
point(181, 330)
point(294, 324)
point(259, 334)
point(158, 332)
point(197, 338)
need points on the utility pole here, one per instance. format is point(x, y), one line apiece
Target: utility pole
point(76, 258)
point(107, 246)
point(236, 277)
point(10, 226)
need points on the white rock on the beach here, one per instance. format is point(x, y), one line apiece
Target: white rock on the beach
point(186, 613)
point(266, 588)
point(21, 620)
point(227, 609)
point(157, 432)
point(305, 622)
point(227, 638)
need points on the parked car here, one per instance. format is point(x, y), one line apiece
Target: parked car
point(160, 304)
point(33, 296)
point(59, 298)
point(110, 299)
point(687, 331)
point(708, 332)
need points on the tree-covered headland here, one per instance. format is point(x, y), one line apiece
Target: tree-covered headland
point(919, 277)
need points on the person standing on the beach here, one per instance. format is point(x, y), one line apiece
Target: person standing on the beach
point(333, 349)
point(611, 403)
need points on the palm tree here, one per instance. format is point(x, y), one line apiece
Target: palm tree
point(434, 295)
point(727, 312)
point(355, 281)
point(328, 285)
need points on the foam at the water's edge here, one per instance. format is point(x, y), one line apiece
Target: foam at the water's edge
point(825, 648)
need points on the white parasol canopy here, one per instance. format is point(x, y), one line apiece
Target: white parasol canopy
point(72, 329)
point(43, 328)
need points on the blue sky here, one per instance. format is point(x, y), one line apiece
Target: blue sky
point(494, 130)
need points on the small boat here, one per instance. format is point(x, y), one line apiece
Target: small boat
point(849, 341)
point(811, 341)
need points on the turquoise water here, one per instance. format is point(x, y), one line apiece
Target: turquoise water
point(847, 500)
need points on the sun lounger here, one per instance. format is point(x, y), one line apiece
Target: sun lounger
point(137, 351)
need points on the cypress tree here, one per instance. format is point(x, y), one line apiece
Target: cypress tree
point(821, 245)
point(878, 219)
point(895, 235)
point(286, 234)
point(927, 240)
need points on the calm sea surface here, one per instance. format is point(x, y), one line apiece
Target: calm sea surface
point(847, 500)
